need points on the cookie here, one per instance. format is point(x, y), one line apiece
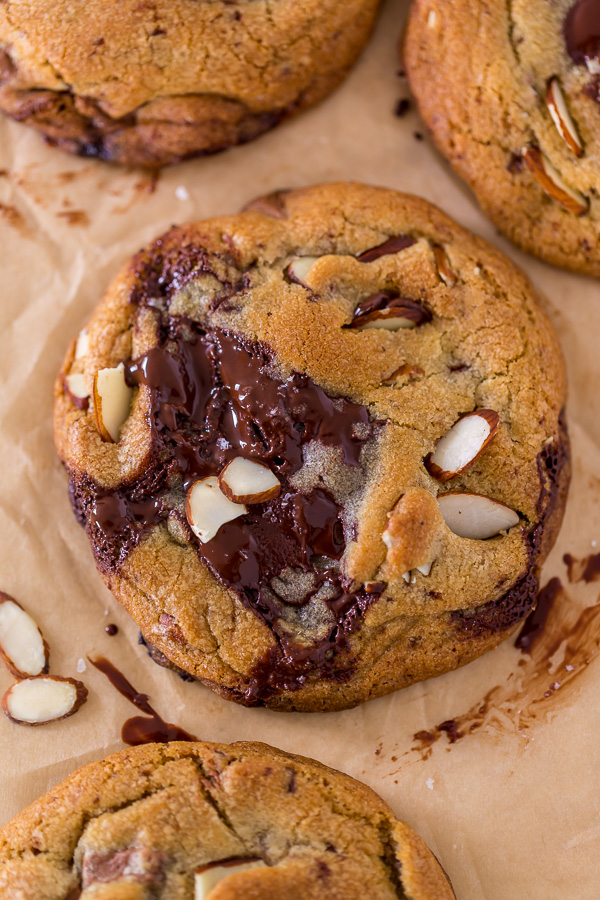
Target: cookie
point(175, 820)
point(318, 447)
point(149, 84)
point(511, 93)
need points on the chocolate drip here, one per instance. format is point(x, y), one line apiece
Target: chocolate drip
point(213, 397)
point(533, 627)
point(147, 729)
point(392, 245)
point(581, 31)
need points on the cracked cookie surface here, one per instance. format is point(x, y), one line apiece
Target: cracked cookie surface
point(153, 83)
point(333, 335)
point(510, 94)
point(142, 822)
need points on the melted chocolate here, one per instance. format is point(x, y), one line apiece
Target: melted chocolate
point(213, 397)
point(534, 624)
point(586, 569)
point(385, 304)
point(140, 729)
point(517, 603)
point(581, 31)
point(392, 245)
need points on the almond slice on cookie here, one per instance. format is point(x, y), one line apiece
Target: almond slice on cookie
point(463, 444)
point(207, 508)
point(247, 481)
point(112, 402)
point(208, 877)
point(475, 516)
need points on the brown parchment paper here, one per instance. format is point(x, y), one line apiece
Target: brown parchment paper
point(512, 807)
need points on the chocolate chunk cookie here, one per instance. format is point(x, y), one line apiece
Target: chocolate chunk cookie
point(511, 94)
point(318, 447)
point(193, 820)
point(153, 83)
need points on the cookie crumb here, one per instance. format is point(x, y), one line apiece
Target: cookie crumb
point(81, 666)
point(430, 783)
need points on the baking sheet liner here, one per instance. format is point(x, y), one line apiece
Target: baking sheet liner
point(507, 795)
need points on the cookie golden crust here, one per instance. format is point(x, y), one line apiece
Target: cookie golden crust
point(510, 93)
point(150, 84)
point(259, 336)
point(142, 822)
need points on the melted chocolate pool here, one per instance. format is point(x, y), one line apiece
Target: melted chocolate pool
point(581, 31)
point(215, 396)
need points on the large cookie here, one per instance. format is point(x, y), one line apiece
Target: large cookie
point(169, 821)
point(153, 83)
point(511, 93)
point(311, 353)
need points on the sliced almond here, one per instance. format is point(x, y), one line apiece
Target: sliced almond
point(48, 698)
point(112, 402)
point(22, 646)
point(299, 269)
point(561, 116)
point(463, 444)
point(206, 878)
point(77, 389)
point(82, 345)
point(207, 508)
point(443, 266)
point(411, 371)
point(475, 516)
point(387, 310)
point(425, 569)
point(248, 481)
point(552, 182)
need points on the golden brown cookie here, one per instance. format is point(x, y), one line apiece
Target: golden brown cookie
point(169, 820)
point(318, 447)
point(511, 94)
point(153, 83)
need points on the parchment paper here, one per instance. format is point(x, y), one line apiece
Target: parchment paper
point(512, 808)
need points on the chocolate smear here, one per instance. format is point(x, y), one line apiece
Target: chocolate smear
point(392, 245)
point(215, 396)
point(147, 729)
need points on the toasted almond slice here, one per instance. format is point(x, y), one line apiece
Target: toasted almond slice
point(77, 388)
point(406, 369)
point(475, 516)
point(299, 269)
point(561, 116)
point(425, 569)
point(112, 402)
point(406, 576)
point(48, 698)
point(207, 508)
point(206, 878)
point(247, 481)
point(552, 182)
point(443, 266)
point(387, 310)
point(22, 646)
point(463, 444)
point(82, 345)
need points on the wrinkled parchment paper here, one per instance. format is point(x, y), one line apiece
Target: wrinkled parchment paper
point(512, 808)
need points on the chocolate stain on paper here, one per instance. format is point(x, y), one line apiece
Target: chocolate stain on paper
point(559, 640)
